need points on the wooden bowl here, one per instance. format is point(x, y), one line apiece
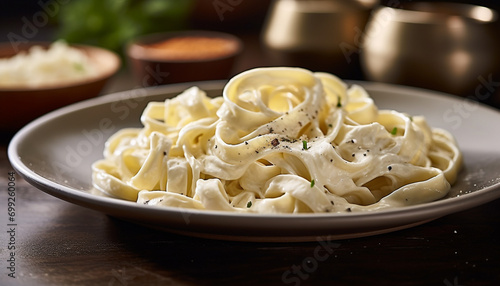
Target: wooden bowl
point(20, 105)
point(182, 56)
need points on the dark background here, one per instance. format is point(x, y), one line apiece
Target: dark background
point(12, 12)
point(244, 21)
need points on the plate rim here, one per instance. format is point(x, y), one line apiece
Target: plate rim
point(445, 206)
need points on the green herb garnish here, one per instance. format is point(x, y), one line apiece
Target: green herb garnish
point(394, 131)
point(249, 204)
point(339, 103)
point(304, 144)
point(312, 183)
point(78, 67)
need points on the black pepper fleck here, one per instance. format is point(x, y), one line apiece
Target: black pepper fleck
point(389, 168)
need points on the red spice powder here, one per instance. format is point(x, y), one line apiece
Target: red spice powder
point(191, 48)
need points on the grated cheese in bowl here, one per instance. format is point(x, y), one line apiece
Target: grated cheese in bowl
point(40, 67)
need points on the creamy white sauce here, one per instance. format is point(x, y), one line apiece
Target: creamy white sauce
point(279, 140)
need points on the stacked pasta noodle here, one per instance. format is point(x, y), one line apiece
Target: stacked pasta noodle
point(279, 140)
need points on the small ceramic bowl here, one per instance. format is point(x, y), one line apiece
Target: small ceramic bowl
point(182, 56)
point(21, 104)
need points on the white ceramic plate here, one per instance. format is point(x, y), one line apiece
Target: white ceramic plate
point(55, 152)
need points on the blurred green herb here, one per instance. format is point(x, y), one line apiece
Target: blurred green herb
point(79, 67)
point(111, 23)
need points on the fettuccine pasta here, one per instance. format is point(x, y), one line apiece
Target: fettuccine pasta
point(278, 140)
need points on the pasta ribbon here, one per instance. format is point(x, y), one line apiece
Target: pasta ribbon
point(278, 140)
